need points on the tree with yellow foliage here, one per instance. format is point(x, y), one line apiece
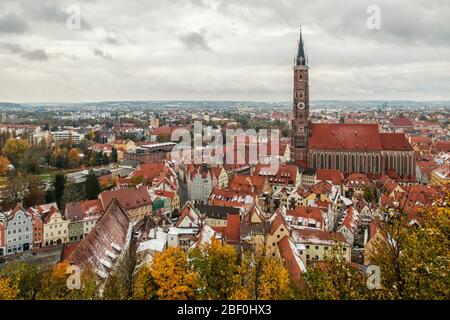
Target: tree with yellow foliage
point(4, 166)
point(173, 276)
point(144, 286)
point(217, 266)
point(263, 277)
point(8, 289)
point(414, 259)
point(54, 283)
point(15, 150)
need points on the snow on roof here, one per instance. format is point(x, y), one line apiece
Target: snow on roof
point(175, 230)
point(156, 244)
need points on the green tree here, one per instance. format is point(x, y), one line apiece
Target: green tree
point(92, 186)
point(58, 185)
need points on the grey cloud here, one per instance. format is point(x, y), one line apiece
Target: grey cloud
point(12, 24)
point(36, 55)
point(100, 53)
point(195, 40)
point(32, 55)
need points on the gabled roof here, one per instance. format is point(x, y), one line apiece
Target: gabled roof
point(100, 250)
point(291, 259)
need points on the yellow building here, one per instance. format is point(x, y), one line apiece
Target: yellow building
point(56, 228)
point(441, 175)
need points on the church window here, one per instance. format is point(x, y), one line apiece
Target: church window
point(338, 162)
point(345, 163)
point(322, 161)
point(353, 163)
point(329, 161)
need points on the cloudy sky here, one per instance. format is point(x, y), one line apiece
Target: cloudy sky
point(222, 50)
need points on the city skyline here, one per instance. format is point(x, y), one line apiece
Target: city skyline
point(221, 51)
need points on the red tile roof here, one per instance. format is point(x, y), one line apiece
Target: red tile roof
point(128, 198)
point(248, 183)
point(286, 174)
point(345, 136)
point(401, 122)
point(442, 146)
point(291, 259)
point(395, 141)
point(333, 175)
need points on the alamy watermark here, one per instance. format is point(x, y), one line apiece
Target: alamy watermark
point(73, 22)
point(374, 20)
point(208, 146)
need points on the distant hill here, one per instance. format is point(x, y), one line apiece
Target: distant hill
point(5, 105)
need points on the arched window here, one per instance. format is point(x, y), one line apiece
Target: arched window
point(322, 161)
point(338, 162)
point(398, 165)
point(377, 164)
point(361, 163)
point(314, 161)
point(353, 163)
point(345, 163)
point(369, 164)
point(329, 161)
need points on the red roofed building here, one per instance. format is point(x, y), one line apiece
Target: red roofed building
point(281, 176)
point(332, 176)
point(402, 124)
point(306, 217)
point(314, 244)
point(257, 184)
point(360, 148)
point(441, 146)
point(349, 148)
point(136, 202)
point(292, 260)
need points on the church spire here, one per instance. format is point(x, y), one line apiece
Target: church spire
point(301, 57)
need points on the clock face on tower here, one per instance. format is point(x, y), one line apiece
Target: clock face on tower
point(300, 106)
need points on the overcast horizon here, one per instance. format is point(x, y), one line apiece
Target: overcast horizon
point(222, 50)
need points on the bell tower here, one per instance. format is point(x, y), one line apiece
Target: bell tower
point(300, 121)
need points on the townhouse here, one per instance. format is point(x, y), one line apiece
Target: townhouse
point(56, 228)
point(19, 230)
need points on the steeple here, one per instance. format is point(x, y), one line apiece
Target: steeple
point(301, 57)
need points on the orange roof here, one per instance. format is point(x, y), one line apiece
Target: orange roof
point(333, 175)
point(248, 183)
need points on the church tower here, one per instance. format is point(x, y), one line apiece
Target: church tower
point(300, 122)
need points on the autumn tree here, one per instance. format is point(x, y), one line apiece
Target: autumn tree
point(28, 278)
point(217, 266)
point(262, 276)
point(8, 289)
point(15, 149)
point(335, 279)
point(173, 276)
point(4, 166)
point(144, 285)
point(74, 158)
point(414, 258)
point(54, 283)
